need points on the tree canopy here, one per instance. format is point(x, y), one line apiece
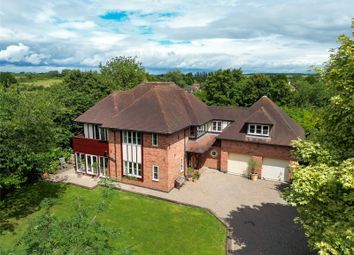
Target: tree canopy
point(121, 73)
point(323, 184)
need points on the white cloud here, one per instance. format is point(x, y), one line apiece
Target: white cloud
point(20, 53)
point(14, 53)
point(254, 34)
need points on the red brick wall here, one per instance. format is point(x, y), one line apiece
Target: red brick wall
point(176, 152)
point(166, 156)
point(115, 152)
point(208, 161)
point(253, 149)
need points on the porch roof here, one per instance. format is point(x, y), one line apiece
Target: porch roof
point(202, 144)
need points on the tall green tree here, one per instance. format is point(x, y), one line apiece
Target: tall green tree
point(222, 87)
point(322, 189)
point(175, 76)
point(7, 79)
point(121, 73)
point(77, 93)
point(338, 118)
point(27, 135)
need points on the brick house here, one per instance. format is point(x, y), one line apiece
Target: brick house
point(149, 135)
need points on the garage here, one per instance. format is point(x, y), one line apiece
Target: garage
point(238, 163)
point(275, 169)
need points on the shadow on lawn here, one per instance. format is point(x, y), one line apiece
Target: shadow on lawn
point(267, 229)
point(26, 201)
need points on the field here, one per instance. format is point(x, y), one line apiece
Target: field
point(43, 82)
point(151, 226)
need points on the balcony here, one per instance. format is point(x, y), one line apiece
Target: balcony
point(90, 146)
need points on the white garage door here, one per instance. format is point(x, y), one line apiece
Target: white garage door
point(275, 169)
point(238, 164)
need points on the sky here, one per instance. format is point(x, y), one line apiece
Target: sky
point(256, 35)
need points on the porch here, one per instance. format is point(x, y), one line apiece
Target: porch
point(197, 151)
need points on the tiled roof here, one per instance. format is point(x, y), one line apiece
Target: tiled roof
point(149, 107)
point(264, 111)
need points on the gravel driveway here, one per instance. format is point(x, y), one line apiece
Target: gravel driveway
point(261, 222)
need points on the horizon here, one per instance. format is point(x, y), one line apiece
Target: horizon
point(256, 36)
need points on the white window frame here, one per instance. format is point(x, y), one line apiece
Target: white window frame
point(92, 172)
point(154, 137)
point(103, 172)
point(218, 126)
point(132, 169)
point(262, 132)
point(77, 156)
point(132, 137)
point(154, 167)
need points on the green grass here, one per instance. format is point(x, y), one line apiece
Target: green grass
point(47, 82)
point(152, 226)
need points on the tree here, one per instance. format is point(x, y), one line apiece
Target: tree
point(323, 194)
point(81, 233)
point(222, 87)
point(175, 76)
point(7, 79)
point(338, 118)
point(122, 73)
point(27, 135)
point(77, 93)
point(322, 188)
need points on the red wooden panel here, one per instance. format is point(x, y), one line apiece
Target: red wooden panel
point(90, 146)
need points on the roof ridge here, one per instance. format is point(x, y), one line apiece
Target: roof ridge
point(162, 110)
point(190, 106)
point(132, 102)
point(281, 113)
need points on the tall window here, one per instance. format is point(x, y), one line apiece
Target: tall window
point(216, 126)
point(155, 173)
point(258, 129)
point(103, 166)
point(155, 140)
point(92, 164)
point(131, 137)
point(181, 165)
point(80, 162)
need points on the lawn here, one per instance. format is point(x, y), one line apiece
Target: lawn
point(152, 226)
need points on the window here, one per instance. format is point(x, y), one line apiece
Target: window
point(80, 162)
point(92, 164)
point(181, 165)
point(155, 173)
point(258, 129)
point(216, 126)
point(132, 169)
point(103, 134)
point(103, 166)
point(131, 137)
point(200, 131)
point(155, 140)
point(92, 131)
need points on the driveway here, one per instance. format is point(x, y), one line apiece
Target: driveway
point(261, 222)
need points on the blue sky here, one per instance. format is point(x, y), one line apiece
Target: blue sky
point(256, 35)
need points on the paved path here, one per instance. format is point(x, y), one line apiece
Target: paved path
point(260, 221)
point(70, 176)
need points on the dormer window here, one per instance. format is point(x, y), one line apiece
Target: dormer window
point(216, 126)
point(258, 130)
